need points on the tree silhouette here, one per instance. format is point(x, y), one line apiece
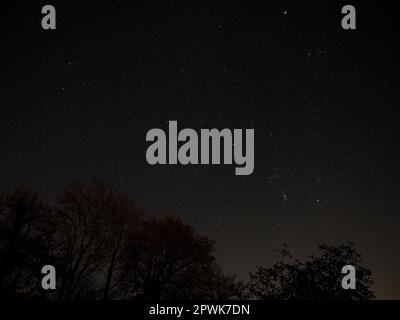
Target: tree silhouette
point(318, 278)
point(121, 221)
point(171, 261)
point(94, 222)
point(25, 231)
point(103, 247)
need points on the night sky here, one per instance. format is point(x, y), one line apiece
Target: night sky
point(77, 102)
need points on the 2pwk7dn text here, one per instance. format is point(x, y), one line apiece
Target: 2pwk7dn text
point(188, 147)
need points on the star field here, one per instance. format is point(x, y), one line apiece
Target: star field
point(78, 101)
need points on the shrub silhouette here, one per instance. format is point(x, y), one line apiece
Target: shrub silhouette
point(317, 278)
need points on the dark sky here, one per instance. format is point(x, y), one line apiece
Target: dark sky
point(78, 102)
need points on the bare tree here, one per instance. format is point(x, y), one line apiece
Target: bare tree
point(122, 221)
point(25, 239)
point(93, 222)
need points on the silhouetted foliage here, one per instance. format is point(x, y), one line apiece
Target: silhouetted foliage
point(171, 261)
point(104, 248)
point(317, 278)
